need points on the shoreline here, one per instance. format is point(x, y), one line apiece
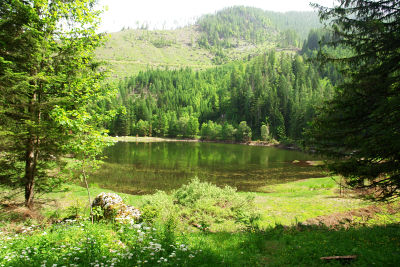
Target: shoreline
point(166, 139)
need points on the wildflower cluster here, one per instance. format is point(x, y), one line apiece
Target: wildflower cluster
point(112, 208)
point(74, 243)
point(151, 249)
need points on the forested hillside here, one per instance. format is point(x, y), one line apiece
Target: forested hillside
point(278, 90)
point(231, 25)
point(174, 87)
point(231, 34)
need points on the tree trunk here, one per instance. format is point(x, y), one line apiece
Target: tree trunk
point(87, 188)
point(30, 166)
point(31, 154)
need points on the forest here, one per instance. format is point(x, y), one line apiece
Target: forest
point(249, 138)
point(230, 25)
point(278, 91)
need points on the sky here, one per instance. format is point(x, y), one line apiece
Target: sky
point(167, 14)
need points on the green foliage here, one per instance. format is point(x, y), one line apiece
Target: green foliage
point(76, 210)
point(133, 50)
point(299, 22)
point(284, 88)
point(162, 42)
point(150, 244)
point(265, 132)
point(358, 127)
point(288, 38)
point(243, 132)
point(319, 39)
point(84, 244)
point(149, 213)
point(205, 205)
point(211, 131)
point(50, 84)
point(228, 132)
point(142, 128)
point(230, 24)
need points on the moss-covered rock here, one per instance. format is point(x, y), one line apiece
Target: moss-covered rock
point(110, 206)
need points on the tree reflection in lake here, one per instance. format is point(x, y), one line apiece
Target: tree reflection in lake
point(143, 168)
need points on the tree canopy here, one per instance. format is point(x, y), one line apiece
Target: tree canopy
point(360, 126)
point(49, 84)
point(277, 89)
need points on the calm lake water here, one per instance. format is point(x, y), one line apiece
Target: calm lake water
point(143, 168)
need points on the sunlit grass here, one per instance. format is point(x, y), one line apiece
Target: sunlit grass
point(298, 201)
point(281, 241)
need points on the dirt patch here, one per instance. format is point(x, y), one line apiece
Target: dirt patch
point(353, 217)
point(17, 212)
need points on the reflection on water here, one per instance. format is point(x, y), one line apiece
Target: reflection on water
point(142, 168)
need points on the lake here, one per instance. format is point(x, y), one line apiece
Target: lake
point(143, 168)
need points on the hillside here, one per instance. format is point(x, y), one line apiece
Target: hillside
point(230, 34)
point(130, 51)
point(279, 90)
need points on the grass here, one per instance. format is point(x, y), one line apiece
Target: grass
point(130, 51)
point(294, 202)
point(282, 238)
point(83, 244)
point(50, 207)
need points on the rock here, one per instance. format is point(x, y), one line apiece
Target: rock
point(113, 208)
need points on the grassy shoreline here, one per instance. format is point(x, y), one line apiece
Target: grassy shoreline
point(280, 204)
point(287, 233)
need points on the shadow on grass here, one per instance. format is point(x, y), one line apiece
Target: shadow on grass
point(299, 246)
point(280, 246)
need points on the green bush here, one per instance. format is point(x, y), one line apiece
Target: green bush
point(205, 206)
point(149, 213)
point(243, 132)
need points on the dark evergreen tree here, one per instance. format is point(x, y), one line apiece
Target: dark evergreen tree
point(360, 126)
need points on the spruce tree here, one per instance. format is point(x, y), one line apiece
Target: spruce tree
point(48, 82)
point(360, 126)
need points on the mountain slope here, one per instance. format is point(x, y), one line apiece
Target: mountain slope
point(130, 51)
point(231, 34)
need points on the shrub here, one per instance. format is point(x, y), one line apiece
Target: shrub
point(204, 205)
point(243, 132)
point(265, 132)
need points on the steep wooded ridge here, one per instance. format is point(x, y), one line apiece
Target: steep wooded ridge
point(277, 90)
point(228, 77)
point(231, 25)
point(231, 34)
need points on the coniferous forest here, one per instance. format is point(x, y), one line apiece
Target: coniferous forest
point(278, 136)
point(278, 90)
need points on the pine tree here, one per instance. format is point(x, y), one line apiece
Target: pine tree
point(48, 80)
point(360, 127)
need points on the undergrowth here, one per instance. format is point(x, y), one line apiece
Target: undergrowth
point(201, 225)
point(204, 206)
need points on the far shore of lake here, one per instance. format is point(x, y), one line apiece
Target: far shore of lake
point(147, 139)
